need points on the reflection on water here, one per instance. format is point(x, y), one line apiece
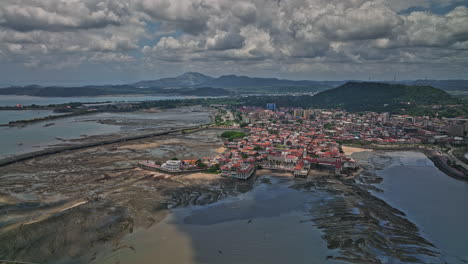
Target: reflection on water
point(435, 202)
point(261, 226)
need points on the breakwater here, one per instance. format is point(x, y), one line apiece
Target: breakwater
point(50, 151)
point(46, 118)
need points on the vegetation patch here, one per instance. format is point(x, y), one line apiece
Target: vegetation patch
point(231, 135)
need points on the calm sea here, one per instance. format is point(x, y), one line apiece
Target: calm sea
point(12, 100)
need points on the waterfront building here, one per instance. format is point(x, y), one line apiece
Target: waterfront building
point(238, 170)
point(302, 169)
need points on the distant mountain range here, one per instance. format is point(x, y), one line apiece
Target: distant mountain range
point(188, 79)
point(197, 84)
point(195, 79)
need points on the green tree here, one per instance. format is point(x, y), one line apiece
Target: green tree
point(200, 164)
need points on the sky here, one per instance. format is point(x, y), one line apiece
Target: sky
point(77, 42)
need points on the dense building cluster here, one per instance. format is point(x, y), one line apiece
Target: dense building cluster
point(298, 140)
point(373, 127)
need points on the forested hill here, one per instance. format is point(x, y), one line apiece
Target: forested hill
point(365, 96)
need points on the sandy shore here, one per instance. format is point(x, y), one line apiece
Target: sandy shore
point(350, 150)
point(273, 172)
point(202, 176)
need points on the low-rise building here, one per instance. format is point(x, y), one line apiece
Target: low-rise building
point(172, 165)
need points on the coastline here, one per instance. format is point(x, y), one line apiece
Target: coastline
point(57, 150)
point(106, 139)
point(345, 206)
point(433, 155)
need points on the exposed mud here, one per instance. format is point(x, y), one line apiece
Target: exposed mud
point(59, 208)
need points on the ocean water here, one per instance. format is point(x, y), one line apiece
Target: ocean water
point(435, 202)
point(36, 136)
point(12, 100)
point(40, 135)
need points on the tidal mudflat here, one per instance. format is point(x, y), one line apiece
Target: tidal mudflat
point(95, 205)
point(281, 219)
point(92, 128)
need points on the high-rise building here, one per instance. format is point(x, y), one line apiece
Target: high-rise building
point(307, 113)
point(385, 117)
point(271, 106)
point(298, 112)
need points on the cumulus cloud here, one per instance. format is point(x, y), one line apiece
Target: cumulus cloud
point(280, 36)
point(61, 15)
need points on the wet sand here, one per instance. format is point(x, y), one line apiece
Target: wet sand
point(351, 150)
point(201, 176)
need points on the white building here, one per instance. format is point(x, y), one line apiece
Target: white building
point(172, 165)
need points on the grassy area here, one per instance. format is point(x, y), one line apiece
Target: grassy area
point(231, 135)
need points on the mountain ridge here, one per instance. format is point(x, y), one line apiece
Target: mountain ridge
point(189, 82)
point(229, 81)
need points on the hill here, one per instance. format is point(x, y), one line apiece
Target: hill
point(188, 79)
point(190, 83)
point(233, 84)
point(451, 86)
point(239, 84)
point(365, 96)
